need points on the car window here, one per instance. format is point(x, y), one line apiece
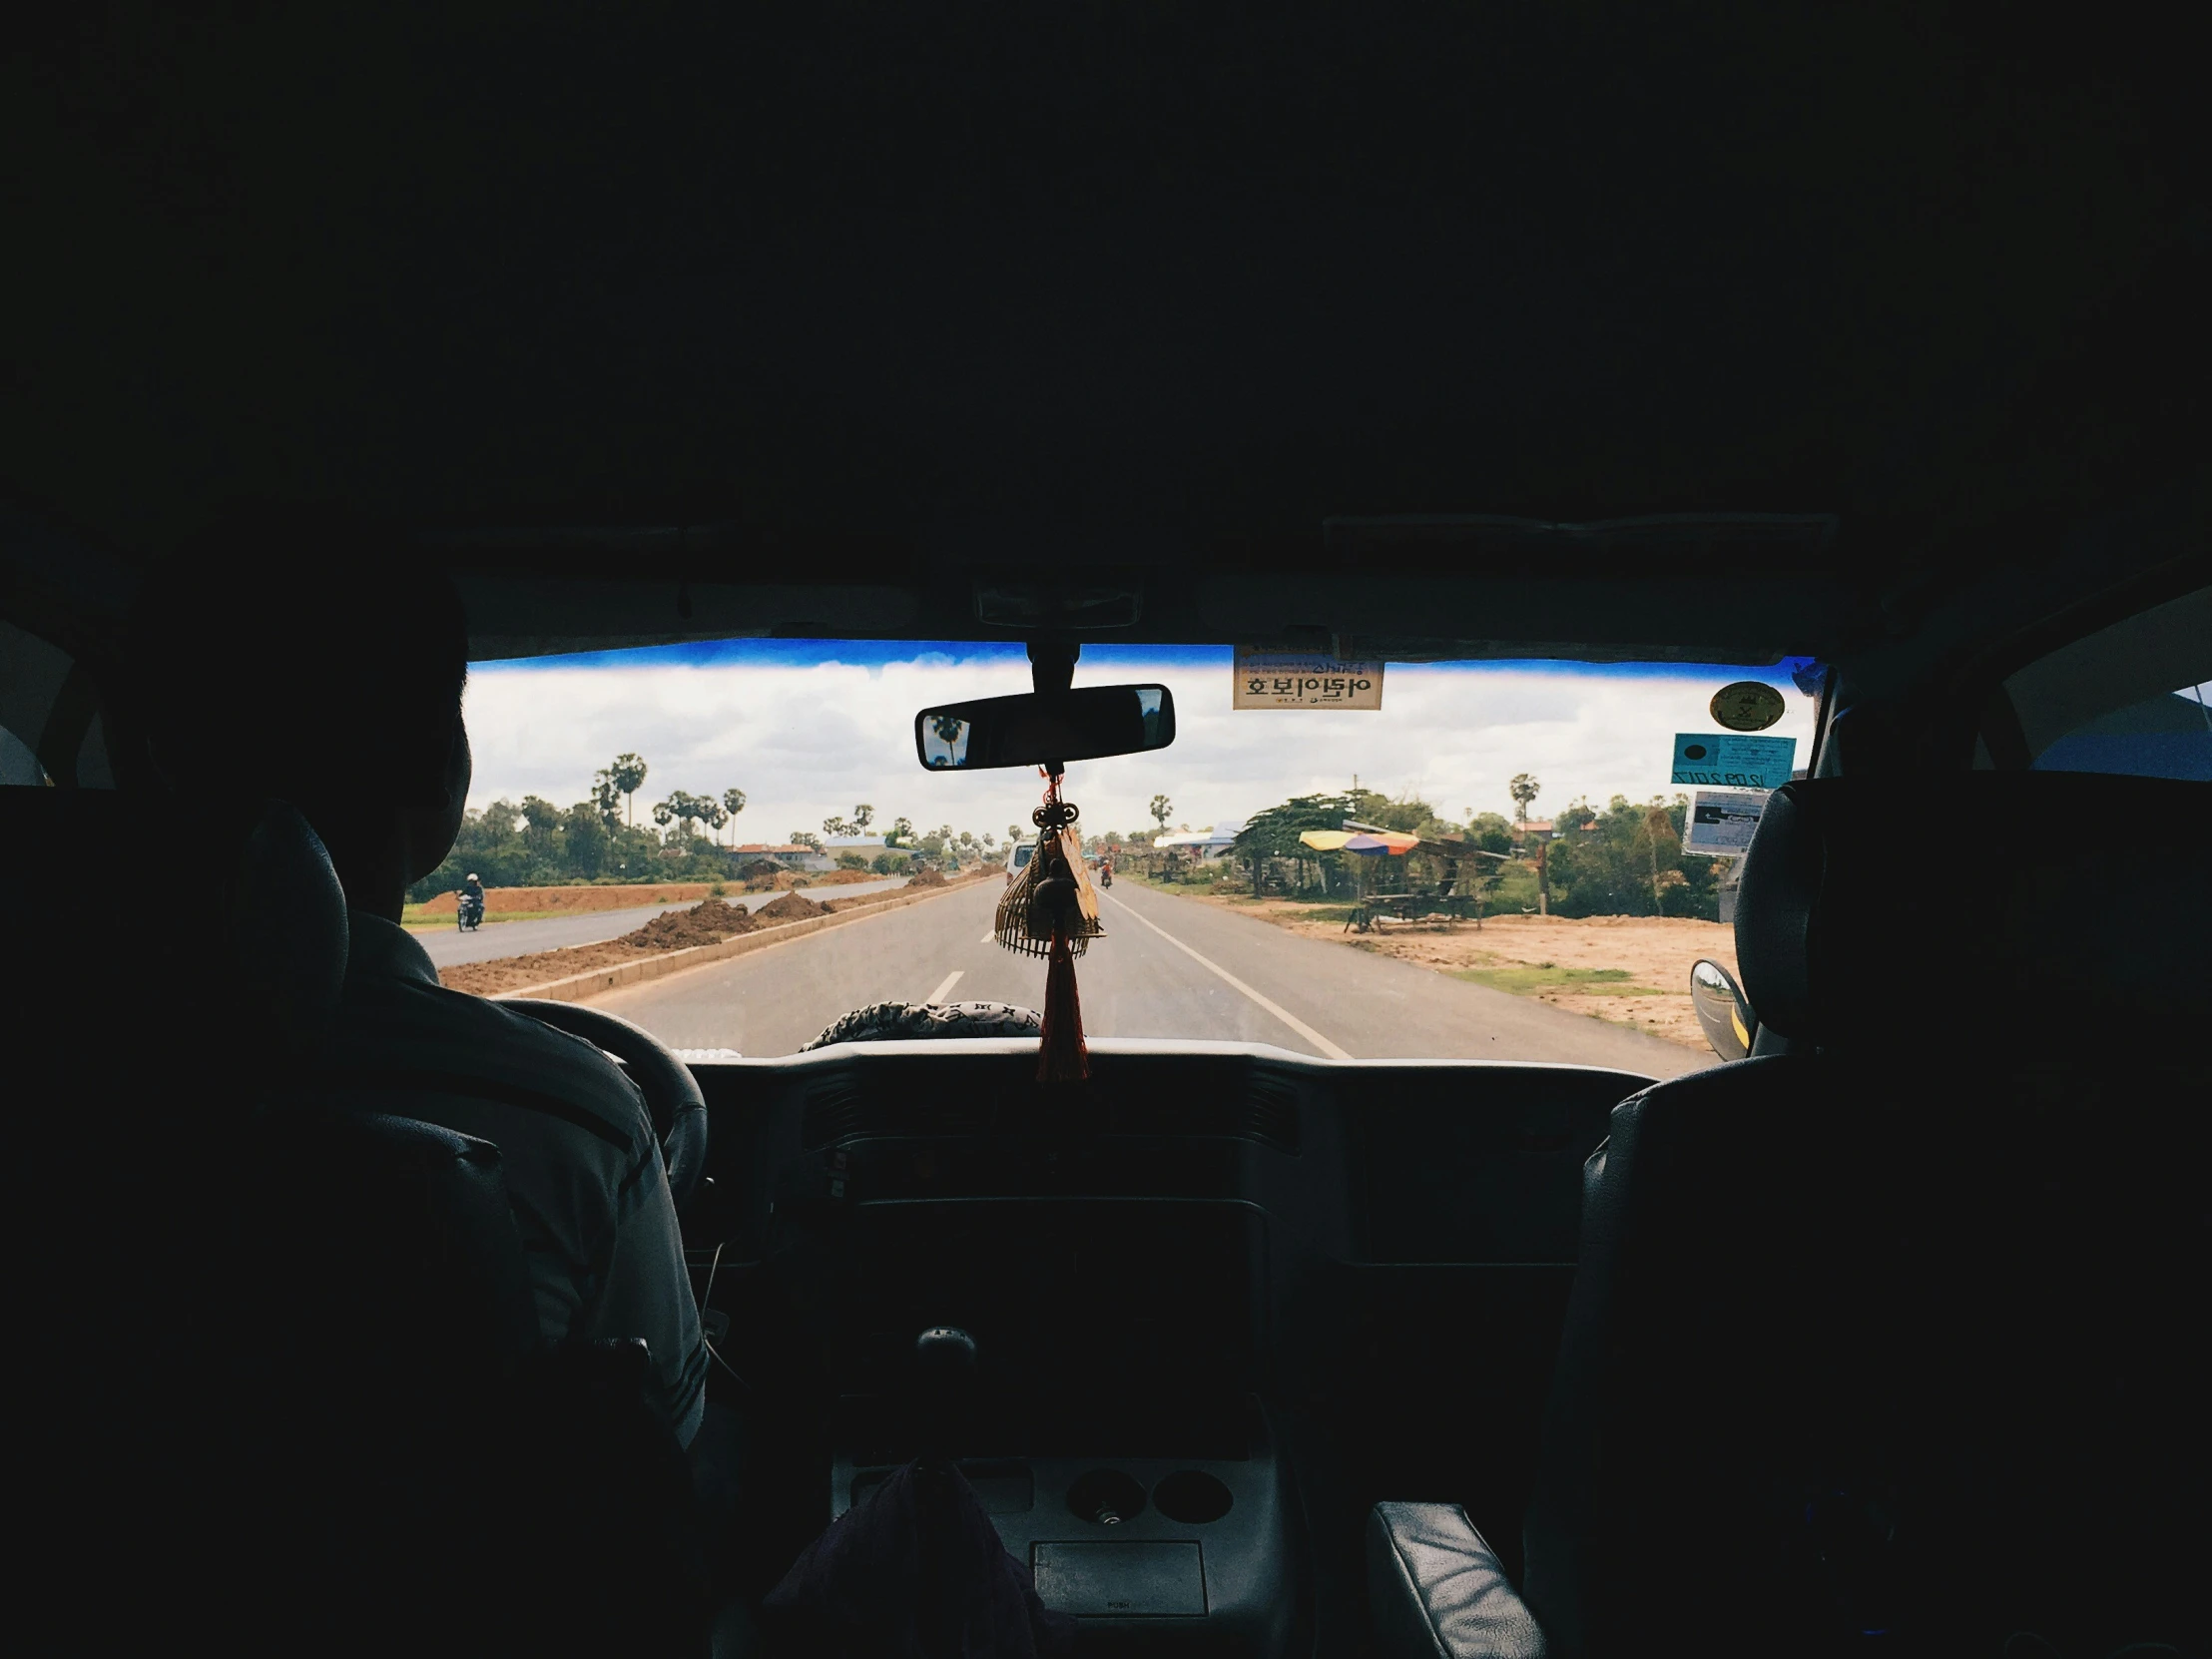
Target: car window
point(2129, 698)
point(1490, 865)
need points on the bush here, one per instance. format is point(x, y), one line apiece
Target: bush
point(851, 860)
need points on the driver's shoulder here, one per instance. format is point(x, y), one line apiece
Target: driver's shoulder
point(444, 1041)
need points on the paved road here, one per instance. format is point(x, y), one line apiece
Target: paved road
point(1169, 968)
point(449, 946)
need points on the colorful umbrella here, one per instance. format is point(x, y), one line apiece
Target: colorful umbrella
point(1324, 840)
point(1375, 845)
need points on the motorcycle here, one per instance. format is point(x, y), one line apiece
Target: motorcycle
point(471, 912)
point(1106, 875)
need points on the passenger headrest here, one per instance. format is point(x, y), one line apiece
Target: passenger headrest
point(2059, 910)
point(119, 899)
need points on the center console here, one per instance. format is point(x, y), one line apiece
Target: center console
point(1153, 1553)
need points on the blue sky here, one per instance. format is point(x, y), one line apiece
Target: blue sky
point(808, 729)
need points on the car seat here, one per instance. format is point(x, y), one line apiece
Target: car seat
point(1885, 1341)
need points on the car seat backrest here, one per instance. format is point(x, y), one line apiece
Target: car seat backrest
point(1892, 1334)
point(2062, 909)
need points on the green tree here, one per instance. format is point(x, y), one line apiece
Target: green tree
point(1524, 788)
point(863, 815)
point(899, 832)
point(805, 837)
point(733, 802)
point(1161, 809)
point(584, 840)
point(607, 799)
point(628, 775)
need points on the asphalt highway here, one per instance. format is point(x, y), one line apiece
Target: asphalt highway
point(449, 946)
point(1168, 967)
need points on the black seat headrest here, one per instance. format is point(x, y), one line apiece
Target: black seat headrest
point(115, 895)
point(2062, 910)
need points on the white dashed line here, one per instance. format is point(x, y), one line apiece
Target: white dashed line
point(1275, 1008)
point(950, 979)
point(988, 939)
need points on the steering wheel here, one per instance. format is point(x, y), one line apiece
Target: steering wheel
point(671, 1092)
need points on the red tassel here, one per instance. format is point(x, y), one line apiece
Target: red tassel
point(1061, 1056)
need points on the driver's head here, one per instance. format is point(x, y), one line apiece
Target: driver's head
point(312, 659)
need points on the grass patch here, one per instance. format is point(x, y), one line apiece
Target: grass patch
point(1527, 981)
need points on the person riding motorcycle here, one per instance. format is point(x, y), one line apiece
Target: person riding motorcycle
point(472, 902)
point(1106, 869)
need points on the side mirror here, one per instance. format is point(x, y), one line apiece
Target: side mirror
point(1044, 728)
point(1723, 1010)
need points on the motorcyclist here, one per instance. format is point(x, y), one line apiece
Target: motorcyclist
point(472, 899)
point(1106, 867)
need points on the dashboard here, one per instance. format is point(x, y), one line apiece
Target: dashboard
point(1201, 1220)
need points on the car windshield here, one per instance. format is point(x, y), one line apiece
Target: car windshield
point(1515, 860)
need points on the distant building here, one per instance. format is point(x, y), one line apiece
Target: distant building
point(1536, 828)
point(790, 854)
point(835, 844)
point(1212, 842)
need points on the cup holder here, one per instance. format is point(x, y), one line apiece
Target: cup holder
point(1106, 1497)
point(1192, 1496)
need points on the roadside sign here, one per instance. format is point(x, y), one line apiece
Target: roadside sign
point(1303, 679)
point(1721, 821)
point(1732, 762)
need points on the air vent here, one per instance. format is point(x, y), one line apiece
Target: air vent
point(831, 1116)
point(839, 1114)
point(1271, 1113)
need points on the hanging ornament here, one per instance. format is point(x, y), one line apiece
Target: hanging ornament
point(1051, 911)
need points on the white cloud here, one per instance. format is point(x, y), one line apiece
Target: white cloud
point(810, 738)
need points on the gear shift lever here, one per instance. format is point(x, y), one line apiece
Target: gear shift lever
point(944, 1373)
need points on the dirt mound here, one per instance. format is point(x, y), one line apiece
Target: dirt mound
point(833, 877)
point(709, 922)
point(927, 879)
point(760, 874)
point(790, 908)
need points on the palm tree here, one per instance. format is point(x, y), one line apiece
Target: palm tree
point(1524, 788)
point(733, 802)
point(628, 775)
point(1161, 809)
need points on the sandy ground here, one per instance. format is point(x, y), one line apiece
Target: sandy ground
point(514, 974)
point(563, 901)
point(1655, 954)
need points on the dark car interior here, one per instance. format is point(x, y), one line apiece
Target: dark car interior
point(1491, 332)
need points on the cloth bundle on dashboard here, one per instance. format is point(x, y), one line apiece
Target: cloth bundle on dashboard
point(914, 1570)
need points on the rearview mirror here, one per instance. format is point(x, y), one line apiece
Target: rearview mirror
point(1722, 1009)
point(1044, 729)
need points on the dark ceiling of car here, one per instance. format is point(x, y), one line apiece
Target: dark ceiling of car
point(810, 320)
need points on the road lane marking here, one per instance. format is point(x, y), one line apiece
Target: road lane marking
point(988, 939)
point(1275, 1008)
point(950, 979)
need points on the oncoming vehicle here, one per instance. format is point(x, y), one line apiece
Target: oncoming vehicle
point(1741, 1174)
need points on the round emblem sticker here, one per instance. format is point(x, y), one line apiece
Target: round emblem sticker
point(1747, 706)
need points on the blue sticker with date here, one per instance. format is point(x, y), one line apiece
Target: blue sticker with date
point(1730, 761)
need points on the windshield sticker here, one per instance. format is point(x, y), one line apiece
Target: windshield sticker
point(1717, 758)
point(1303, 679)
point(1722, 820)
point(1747, 706)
